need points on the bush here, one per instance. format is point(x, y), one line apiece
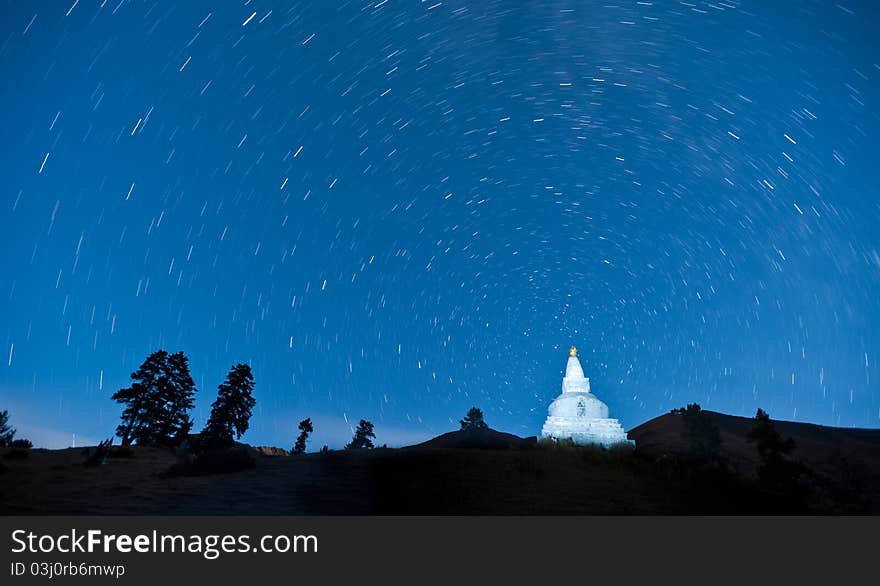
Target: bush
point(16, 454)
point(602, 455)
point(121, 452)
point(21, 443)
point(556, 444)
point(207, 443)
point(701, 436)
point(621, 451)
point(98, 455)
point(591, 453)
point(216, 461)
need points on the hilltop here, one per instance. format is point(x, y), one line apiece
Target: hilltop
point(480, 438)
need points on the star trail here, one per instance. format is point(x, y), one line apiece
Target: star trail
point(396, 210)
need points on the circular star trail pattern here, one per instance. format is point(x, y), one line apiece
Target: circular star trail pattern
point(395, 210)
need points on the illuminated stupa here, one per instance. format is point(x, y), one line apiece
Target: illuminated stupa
point(578, 415)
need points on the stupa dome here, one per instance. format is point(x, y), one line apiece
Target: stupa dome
point(578, 405)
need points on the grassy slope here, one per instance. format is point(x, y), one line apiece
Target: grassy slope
point(427, 481)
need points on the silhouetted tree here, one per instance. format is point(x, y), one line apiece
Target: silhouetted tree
point(6, 431)
point(702, 437)
point(305, 428)
point(181, 398)
point(790, 482)
point(362, 436)
point(473, 420)
point(767, 440)
point(231, 411)
point(21, 443)
point(140, 398)
point(158, 401)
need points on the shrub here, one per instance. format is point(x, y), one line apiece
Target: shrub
point(591, 454)
point(565, 443)
point(121, 452)
point(98, 455)
point(210, 443)
point(701, 436)
point(16, 454)
point(215, 461)
point(621, 451)
point(21, 443)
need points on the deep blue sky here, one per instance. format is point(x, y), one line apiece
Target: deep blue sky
point(396, 210)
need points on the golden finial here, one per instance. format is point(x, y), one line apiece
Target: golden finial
point(572, 351)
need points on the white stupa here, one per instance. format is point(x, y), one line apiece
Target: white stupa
point(578, 415)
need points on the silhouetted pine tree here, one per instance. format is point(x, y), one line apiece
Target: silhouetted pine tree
point(362, 435)
point(141, 397)
point(6, 432)
point(789, 481)
point(473, 420)
point(157, 402)
point(231, 411)
point(181, 398)
point(305, 428)
point(772, 448)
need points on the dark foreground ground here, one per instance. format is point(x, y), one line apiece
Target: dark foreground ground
point(430, 481)
point(457, 475)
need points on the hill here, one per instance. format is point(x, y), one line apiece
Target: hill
point(839, 456)
point(482, 472)
point(484, 439)
point(820, 448)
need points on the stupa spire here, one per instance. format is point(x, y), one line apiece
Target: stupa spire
point(574, 374)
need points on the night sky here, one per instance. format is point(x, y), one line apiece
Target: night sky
point(395, 210)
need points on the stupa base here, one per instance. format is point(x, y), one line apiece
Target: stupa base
point(604, 432)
